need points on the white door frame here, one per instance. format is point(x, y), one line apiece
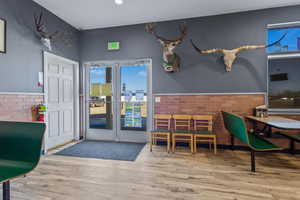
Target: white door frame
point(150, 110)
point(76, 124)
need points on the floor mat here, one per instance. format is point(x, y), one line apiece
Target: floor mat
point(104, 150)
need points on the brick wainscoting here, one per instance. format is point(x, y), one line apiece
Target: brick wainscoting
point(17, 107)
point(241, 104)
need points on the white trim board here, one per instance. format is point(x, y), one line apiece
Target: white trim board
point(46, 53)
point(198, 94)
point(22, 93)
point(287, 55)
point(284, 25)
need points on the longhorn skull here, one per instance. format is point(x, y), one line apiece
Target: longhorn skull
point(41, 30)
point(230, 55)
point(170, 58)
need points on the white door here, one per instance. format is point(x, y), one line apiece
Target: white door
point(59, 88)
point(118, 100)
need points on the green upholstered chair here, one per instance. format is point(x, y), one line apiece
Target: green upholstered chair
point(162, 130)
point(237, 128)
point(20, 150)
point(182, 131)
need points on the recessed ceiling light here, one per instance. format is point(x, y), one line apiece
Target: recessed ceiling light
point(119, 2)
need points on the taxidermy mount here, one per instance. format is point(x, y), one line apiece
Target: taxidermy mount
point(41, 30)
point(170, 58)
point(229, 56)
point(46, 37)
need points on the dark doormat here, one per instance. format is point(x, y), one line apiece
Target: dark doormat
point(104, 150)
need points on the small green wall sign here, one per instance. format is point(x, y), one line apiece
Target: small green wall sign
point(111, 46)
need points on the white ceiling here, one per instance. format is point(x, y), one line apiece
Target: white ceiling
point(90, 14)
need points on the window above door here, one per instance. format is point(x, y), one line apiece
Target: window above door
point(290, 43)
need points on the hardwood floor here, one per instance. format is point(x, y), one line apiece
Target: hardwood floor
point(157, 175)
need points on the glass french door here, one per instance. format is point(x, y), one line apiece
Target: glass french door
point(118, 100)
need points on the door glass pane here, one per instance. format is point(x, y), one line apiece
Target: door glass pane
point(100, 101)
point(134, 97)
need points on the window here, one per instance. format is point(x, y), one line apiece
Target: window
point(284, 83)
point(290, 43)
point(284, 67)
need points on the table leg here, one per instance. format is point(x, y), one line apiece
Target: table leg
point(232, 142)
point(269, 133)
point(253, 168)
point(6, 190)
point(151, 141)
point(169, 142)
point(292, 147)
point(254, 123)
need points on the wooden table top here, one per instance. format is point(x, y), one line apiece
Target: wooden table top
point(277, 122)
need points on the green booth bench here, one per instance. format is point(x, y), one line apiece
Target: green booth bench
point(236, 126)
point(20, 150)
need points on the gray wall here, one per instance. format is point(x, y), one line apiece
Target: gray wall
point(19, 67)
point(199, 73)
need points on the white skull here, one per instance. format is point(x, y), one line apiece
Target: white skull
point(229, 58)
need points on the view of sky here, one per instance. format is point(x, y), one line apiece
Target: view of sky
point(289, 43)
point(134, 77)
point(97, 75)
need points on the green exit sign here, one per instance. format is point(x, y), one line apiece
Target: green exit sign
point(113, 46)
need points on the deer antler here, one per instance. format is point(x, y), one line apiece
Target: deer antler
point(41, 28)
point(150, 28)
point(183, 32)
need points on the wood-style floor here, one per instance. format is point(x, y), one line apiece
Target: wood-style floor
point(157, 175)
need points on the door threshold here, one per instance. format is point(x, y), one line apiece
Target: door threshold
point(61, 145)
point(115, 141)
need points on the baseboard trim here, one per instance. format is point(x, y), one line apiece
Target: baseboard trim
point(22, 93)
point(228, 147)
point(209, 94)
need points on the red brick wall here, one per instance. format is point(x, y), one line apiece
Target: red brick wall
point(17, 107)
point(241, 104)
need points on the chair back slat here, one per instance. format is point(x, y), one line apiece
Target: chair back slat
point(236, 126)
point(203, 122)
point(162, 122)
point(182, 122)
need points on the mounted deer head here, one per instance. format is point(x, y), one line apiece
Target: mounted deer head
point(42, 32)
point(230, 55)
point(170, 58)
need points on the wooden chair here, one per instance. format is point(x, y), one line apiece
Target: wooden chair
point(203, 131)
point(182, 131)
point(162, 131)
point(20, 151)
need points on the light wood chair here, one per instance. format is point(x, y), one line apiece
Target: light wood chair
point(162, 131)
point(203, 131)
point(182, 131)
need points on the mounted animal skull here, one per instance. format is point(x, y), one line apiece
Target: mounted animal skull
point(170, 58)
point(42, 32)
point(230, 55)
